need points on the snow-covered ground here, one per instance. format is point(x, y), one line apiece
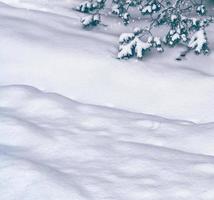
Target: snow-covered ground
point(150, 135)
point(55, 148)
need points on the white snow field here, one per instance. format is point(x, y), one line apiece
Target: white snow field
point(55, 148)
point(144, 130)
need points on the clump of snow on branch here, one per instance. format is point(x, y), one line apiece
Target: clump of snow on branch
point(198, 42)
point(91, 20)
point(186, 21)
point(132, 44)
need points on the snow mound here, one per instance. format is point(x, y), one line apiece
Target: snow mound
point(54, 148)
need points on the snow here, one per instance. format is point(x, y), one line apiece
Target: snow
point(55, 148)
point(198, 41)
point(126, 37)
point(143, 129)
point(91, 20)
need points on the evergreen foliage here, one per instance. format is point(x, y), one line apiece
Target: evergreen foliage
point(186, 21)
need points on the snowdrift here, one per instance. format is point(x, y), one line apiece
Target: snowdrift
point(55, 148)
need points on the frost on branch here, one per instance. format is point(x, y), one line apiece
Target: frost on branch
point(184, 24)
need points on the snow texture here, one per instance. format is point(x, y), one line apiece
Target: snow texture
point(55, 148)
point(147, 136)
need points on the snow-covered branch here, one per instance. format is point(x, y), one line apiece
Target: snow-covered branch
point(185, 20)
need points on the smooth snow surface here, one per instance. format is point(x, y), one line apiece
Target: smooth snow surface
point(144, 129)
point(54, 148)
